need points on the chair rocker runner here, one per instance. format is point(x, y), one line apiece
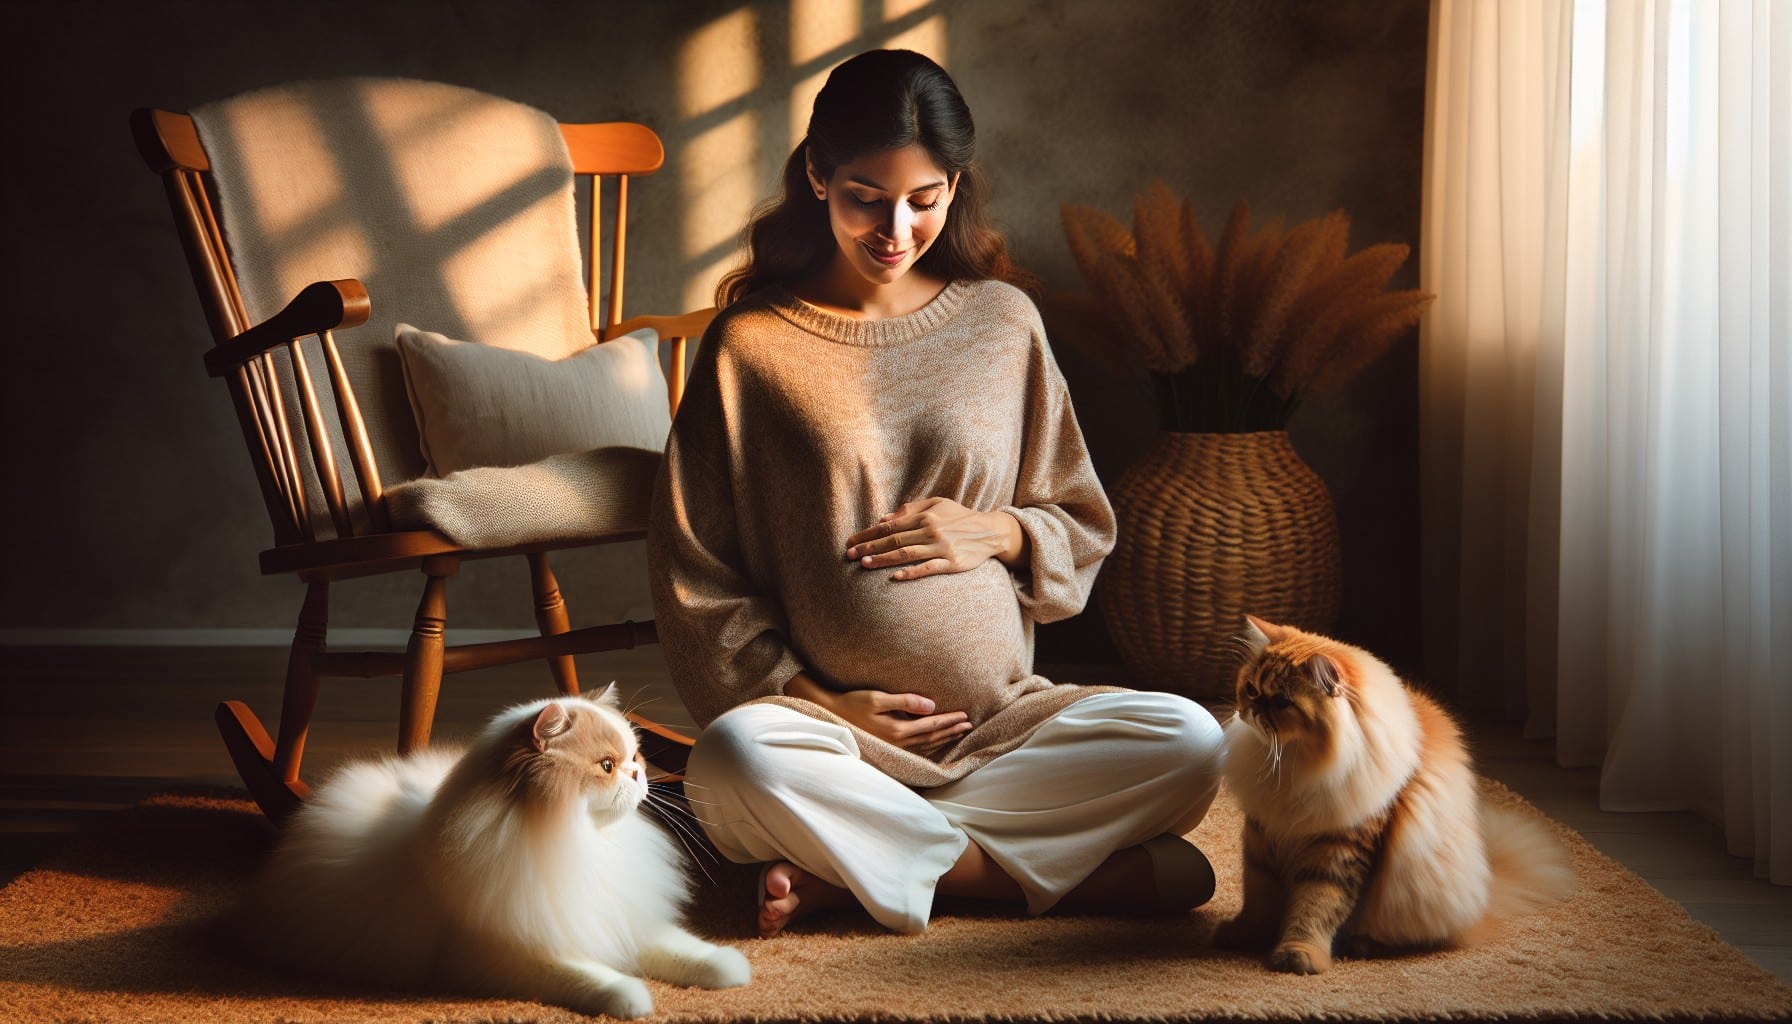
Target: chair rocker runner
point(329, 526)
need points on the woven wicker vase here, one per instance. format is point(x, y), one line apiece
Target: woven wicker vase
point(1213, 526)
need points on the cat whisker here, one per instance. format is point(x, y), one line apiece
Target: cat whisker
point(665, 799)
point(686, 813)
point(686, 819)
point(665, 793)
point(684, 832)
point(694, 839)
point(1272, 768)
point(672, 816)
point(640, 702)
point(689, 799)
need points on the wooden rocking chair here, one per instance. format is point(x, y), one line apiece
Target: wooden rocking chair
point(328, 528)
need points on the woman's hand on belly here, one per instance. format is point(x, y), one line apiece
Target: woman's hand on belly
point(938, 535)
point(907, 720)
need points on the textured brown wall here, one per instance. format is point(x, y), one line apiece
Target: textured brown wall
point(132, 506)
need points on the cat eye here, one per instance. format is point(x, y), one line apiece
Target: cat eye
point(1279, 701)
point(1250, 690)
point(608, 765)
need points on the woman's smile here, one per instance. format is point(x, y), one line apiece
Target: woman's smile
point(888, 259)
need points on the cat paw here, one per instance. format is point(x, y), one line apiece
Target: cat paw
point(725, 967)
point(687, 960)
point(623, 998)
point(1299, 958)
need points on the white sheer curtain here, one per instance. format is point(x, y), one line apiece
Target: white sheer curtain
point(1607, 391)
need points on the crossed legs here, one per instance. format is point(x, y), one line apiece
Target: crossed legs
point(1056, 821)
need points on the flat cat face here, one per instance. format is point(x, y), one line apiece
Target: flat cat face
point(581, 748)
point(1289, 687)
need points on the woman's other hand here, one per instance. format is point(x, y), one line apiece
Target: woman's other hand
point(937, 535)
point(906, 720)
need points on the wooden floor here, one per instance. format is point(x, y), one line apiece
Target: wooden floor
point(86, 732)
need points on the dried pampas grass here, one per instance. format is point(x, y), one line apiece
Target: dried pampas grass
point(1245, 328)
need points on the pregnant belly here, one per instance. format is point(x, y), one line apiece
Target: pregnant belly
point(957, 638)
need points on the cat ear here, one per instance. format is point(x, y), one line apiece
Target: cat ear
point(1259, 634)
point(552, 721)
point(607, 695)
point(1325, 673)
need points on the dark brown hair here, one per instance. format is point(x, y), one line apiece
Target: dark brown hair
point(878, 101)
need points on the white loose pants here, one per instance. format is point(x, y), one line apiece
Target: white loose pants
point(1108, 772)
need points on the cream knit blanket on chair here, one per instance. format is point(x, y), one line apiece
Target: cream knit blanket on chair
point(454, 208)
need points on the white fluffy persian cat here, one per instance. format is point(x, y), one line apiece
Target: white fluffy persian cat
point(522, 866)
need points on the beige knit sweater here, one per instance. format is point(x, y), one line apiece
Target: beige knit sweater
point(799, 428)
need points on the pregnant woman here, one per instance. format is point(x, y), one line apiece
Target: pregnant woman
point(874, 487)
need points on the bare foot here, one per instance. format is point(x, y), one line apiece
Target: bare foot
point(791, 894)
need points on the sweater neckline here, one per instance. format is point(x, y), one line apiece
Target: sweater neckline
point(846, 330)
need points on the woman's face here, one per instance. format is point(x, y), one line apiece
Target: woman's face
point(885, 209)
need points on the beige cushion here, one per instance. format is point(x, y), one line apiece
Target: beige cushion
point(478, 405)
point(563, 497)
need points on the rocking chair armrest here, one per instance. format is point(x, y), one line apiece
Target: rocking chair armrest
point(685, 325)
point(319, 307)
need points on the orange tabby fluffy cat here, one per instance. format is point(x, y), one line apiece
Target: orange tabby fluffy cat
point(1363, 820)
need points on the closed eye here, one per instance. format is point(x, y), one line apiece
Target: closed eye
point(922, 203)
point(1279, 701)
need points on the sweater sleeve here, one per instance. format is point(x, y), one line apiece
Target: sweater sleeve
point(724, 638)
point(1058, 500)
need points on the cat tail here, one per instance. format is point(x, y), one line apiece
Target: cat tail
point(1530, 864)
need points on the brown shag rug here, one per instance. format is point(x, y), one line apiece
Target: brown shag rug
point(123, 925)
